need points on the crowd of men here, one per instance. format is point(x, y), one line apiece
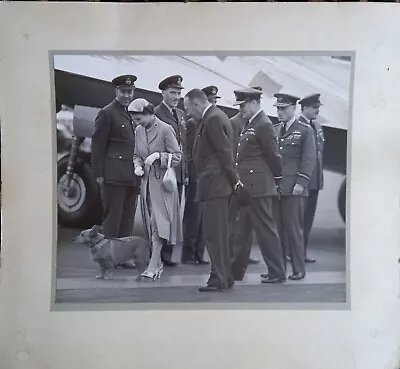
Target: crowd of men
point(242, 176)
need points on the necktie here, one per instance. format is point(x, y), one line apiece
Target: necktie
point(283, 130)
point(175, 114)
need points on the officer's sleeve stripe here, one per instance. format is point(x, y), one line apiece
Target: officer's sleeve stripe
point(280, 177)
point(303, 175)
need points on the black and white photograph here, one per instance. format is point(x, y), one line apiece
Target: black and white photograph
point(201, 178)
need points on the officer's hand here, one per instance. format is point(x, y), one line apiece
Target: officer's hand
point(151, 158)
point(298, 190)
point(139, 171)
point(100, 180)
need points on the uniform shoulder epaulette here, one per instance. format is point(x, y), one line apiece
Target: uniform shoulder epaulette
point(303, 124)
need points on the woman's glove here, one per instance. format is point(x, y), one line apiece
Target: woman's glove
point(151, 158)
point(139, 171)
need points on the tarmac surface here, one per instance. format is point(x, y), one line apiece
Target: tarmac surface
point(325, 281)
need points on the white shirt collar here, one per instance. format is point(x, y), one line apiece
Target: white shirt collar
point(258, 112)
point(170, 109)
point(205, 110)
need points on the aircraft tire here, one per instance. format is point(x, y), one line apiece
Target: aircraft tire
point(82, 209)
point(342, 200)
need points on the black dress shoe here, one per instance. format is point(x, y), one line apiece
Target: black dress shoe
point(170, 263)
point(203, 262)
point(253, 261)
point(264, 275)
point(209, 288)
point(309, 260)
point(274, 280)
point(297, 276)
point(191, 262)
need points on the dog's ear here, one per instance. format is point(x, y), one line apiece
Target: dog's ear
point(94, 231)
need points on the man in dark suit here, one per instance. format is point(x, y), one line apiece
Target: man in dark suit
point(193, 244)
point(216, 180)
point(168, 112)
point(259, 165)
point(297, 148)
point(309, 112)
point(112, 150)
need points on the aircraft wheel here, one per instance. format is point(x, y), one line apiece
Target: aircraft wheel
point(81, 207)
point(342, 201)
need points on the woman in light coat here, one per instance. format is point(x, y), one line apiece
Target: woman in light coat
point(155, 146)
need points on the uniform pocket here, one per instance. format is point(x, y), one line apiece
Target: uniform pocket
point(256, 182)
point(292, 148)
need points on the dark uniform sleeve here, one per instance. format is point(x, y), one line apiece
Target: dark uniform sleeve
point(99, 143)
point(222, 144)
point(308, 158)
point(269, 145)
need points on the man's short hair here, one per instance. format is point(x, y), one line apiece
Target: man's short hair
point(197, 94)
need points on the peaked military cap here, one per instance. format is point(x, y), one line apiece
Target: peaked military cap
point(127, 80)
point(171, 82)
point(311, 100)
point(247, 94)
point(283, 100)
point(211, 91)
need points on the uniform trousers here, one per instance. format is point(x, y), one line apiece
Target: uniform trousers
point(193, 245)
point(215, 228)
point(309, 214)
point(289, 215)
point(167, 249)
point(258, 216)
point(119, 208)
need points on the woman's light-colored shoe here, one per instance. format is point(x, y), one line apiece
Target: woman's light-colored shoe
point(159, 271)
point(149, 275)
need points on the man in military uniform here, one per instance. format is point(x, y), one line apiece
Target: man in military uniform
point(169, 113)
point(238, 123)
point(112, 150)
point(259, 165)
point(309, 112)
point(216, 180)
point(212, 94)
point(297, 147)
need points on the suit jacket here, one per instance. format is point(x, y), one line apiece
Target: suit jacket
point(212, 155)
point(258, 160)
point(191, 126)
point(297, 147)
point(316, 181)
point(165, 115)
point(112, 146)
point(237, 125)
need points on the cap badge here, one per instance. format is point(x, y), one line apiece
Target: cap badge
point(179, 81)
point(213, 91)
point(128, 81)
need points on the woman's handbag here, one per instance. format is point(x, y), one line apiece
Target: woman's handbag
point(169, 180)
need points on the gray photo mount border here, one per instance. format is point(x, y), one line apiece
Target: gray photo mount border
point(203, 305)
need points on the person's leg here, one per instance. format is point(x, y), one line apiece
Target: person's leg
point(191, 218)
point(292, 216)
point(113, 204)
point(310, 206)
point(242, 242)
point(268, 237)
point(128, 211)
point(216, 236)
